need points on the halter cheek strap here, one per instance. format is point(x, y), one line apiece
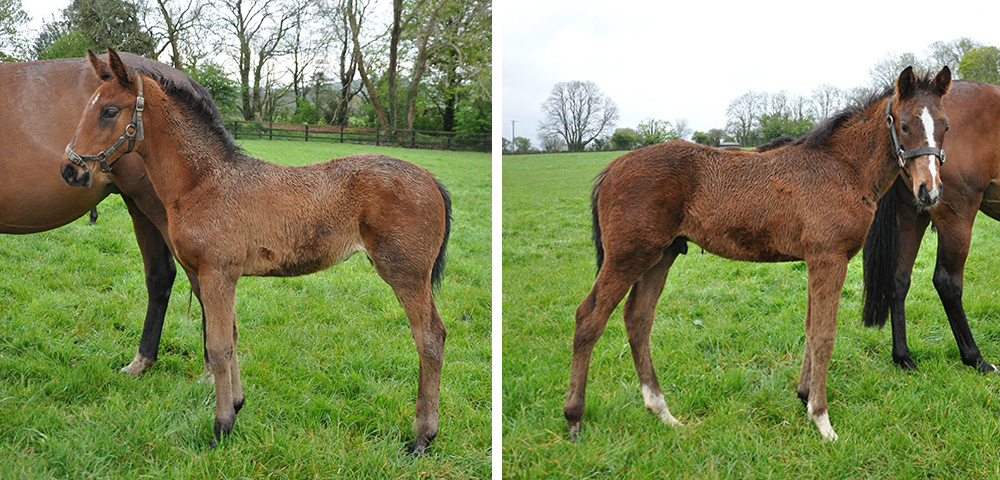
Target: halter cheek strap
point(897, 148)
point(133, 133)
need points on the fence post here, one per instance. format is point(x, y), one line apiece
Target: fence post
point(307, 132)
point(378, 133)
point(236, 130)
point(341, 134)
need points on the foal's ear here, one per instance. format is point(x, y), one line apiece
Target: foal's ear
point(906, 85)
point(118, 68)
point(100, 67)
point(942, 81)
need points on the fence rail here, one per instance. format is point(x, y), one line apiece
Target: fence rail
point(480, 142)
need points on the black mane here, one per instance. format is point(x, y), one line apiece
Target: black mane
point(822, 132)
point(189, 93)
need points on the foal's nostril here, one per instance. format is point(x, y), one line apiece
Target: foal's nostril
point(72, 178)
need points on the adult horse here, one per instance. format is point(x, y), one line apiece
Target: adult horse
point(970, 178)
point(812, 200)
point(230, 215)
point(41, 106)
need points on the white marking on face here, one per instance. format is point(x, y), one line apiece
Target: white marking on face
point(656, 404)
point(94, 99)
point(932, 162)
point(928, 120)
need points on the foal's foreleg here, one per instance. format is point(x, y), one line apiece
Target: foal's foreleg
point(218, 297)
point(640, 309)
point(826, 279)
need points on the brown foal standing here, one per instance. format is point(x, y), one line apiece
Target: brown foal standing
point(230, 215)
point(811, 200)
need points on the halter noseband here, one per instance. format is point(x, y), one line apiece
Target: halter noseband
point(904, 155)
point(133, 133)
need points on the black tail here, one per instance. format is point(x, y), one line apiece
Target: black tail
point(880, 258)
point(596, 228)
point(438, 268)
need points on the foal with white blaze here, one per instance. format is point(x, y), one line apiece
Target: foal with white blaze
point(812, 200)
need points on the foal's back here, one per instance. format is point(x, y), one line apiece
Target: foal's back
point(302, 219)
point(750, 206)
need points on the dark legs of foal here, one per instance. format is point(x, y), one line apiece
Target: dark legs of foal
point(645, 273)
point(954, 236)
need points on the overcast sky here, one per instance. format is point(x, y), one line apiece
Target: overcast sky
point(669, 59)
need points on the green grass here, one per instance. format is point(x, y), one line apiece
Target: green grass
point(327, 360)
point(727, 346)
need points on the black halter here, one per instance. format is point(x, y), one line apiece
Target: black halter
point(905, 155)
point(133, 133)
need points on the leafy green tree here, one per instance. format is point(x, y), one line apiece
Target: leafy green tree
point(625, 139)
point(12, 20)
point(655, 131)
point(981, 64)
point(225, 91)
point(704, 139)
point(774, 126)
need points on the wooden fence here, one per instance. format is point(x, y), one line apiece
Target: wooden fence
point(480, 142)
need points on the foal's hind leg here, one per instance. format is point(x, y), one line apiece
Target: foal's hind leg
point(617, 274)
point(639, 313)
point(429, 335)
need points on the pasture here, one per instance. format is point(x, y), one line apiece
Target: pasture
point(327, 360)
point(727, 347)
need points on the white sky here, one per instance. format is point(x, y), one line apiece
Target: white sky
point(669, 59)
point(42, 11)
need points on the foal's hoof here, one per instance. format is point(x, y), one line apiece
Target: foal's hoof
point(574, 430)
point(419, 446)
point(906, 363)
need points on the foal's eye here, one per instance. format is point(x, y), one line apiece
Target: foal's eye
point(110, 112)
point(905, 128)
point(947, 127)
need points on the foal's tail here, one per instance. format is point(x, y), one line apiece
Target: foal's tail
point(596, 228)
point(880, 258)
point(438, 268)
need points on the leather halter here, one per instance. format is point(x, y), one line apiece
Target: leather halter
point(905, 155)
point(133, 133)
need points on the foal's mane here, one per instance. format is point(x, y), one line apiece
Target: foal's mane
point(189, 93)
point(825, 129)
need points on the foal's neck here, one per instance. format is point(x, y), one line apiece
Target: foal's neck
point(177, 152)
point(864, 144)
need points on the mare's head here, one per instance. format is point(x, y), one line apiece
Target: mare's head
point(111, 125)
point(917, 123)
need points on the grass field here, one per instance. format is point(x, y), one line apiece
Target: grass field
point(327, 361)
point(727, 346)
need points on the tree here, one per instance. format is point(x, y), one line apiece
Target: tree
point(256, 28)
point(703, 139)
point(168, 23)
point(578, 112)
point(625, 139)
point(12, 19)
point(553, 144)
point(950, 53)
point(682, 129)
point(885, 71)
point(827, 100)
point(981, 64)
point(743, 115)
point(108, 23)
point(655, 131)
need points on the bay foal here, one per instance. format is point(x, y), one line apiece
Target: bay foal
point(230, 215)
point(812, 200)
